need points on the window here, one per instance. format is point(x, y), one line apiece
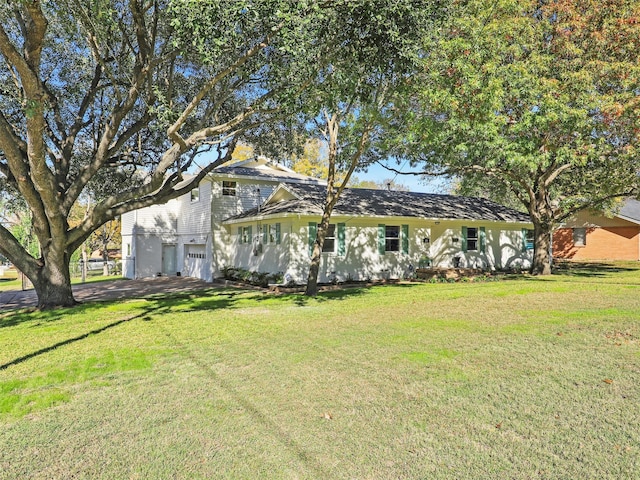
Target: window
point(472, 238)
point(392, 238)
point(229, 189)
point(579, 237)
point(244, 234)
point(529, 239)
point(195, 194)
point(336, 232)
point(270, 233)
point(330, 239)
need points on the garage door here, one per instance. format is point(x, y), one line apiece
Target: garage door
point(195, 258)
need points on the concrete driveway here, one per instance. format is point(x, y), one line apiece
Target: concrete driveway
point(110, 290)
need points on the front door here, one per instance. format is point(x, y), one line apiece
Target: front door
point(169, 260)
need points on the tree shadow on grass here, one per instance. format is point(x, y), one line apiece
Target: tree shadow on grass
point(344, 292)
point(155, 306)
point(219, 299)
point(590, 269)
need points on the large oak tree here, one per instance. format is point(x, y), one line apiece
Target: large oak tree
point(117, 97)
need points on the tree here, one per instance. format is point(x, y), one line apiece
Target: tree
point(348, 110)
point(313, 161)
point(384, 184)
point(121, 97)
point(536, 100)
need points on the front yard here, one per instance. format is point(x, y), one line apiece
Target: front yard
point(526, 378)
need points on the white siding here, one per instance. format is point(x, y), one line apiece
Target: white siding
point(362, 259)
point(249, 194)
point(195, 216)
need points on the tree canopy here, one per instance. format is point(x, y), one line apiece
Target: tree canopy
point(115, 99)
point(539, 100)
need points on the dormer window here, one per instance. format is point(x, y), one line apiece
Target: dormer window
point(229, 188)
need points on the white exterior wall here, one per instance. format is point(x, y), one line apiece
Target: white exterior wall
point(362, 260)
point(203, 246)
point(193, 248)
point(144, 231)
point(249, 194)
point(503, 245)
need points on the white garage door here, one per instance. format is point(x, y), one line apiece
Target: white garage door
point(195, 259)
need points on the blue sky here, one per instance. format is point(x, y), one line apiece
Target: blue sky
point(378, 173)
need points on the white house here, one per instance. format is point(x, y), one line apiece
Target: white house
point(263, 217)
point(185, 235)
point(378, 234)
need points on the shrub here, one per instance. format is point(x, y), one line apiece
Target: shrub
point(260, 279)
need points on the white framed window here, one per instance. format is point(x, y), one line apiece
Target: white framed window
point(244, 234)
point(579, 237)
point(229, 188)
point(529, 239)
point(330, 240)
point(195, 194)
point(472, 239)
point(392, 238)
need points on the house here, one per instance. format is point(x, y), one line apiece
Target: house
point(184, 236)
point(261, 216)
point(591, 235)
point(377, 234)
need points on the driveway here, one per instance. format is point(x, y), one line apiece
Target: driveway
point(110, 290)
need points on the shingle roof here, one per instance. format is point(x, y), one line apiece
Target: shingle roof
point(265, 173)
point(380, 203)
point(631, 210)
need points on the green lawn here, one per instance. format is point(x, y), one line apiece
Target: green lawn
point(519, 379)
point(12, 281)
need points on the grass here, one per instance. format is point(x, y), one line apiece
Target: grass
point(528, 378)
point(11, 281)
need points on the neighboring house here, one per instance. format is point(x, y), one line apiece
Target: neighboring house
point(377, 234)
point(261, 216)
point(184, 236)
point(594, 236)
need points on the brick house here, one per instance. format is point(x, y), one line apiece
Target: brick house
point(594, 236)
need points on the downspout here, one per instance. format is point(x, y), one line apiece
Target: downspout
point(135, 249)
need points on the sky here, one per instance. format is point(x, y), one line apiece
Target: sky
point(415, 183)
point(378, 174)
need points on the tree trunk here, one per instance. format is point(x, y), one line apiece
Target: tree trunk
point(52, 283)
point(52, 295)
point(316, 255)
point(541, 264)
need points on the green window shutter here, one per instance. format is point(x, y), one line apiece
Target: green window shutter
point(250, 234)
point(382, 231)
point(265, 234)
point(405, 239)
point(277, 234)
point(464, 239)
point(524, 239)
point(239, 235)
point(483, 240)
point(341, 239)
point(313, 231)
